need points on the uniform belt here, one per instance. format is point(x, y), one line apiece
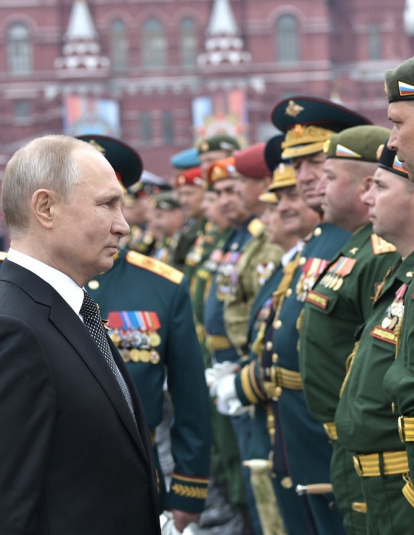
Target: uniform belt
point(408, 490)
point(406, 429)
point(393, 462)
point(281, 378)
point(216, 342)
point(330, 429)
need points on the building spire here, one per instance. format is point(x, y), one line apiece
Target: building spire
point(81, 51)
point(222, 21)
point(223, 43)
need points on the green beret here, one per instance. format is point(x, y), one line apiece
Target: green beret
point(399, 82)
point(388, 160)
point(218, 142)
point(359, 143)
point(166, 201)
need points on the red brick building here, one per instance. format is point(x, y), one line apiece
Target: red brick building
point(149, 71)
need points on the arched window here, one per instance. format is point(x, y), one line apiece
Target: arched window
point(19, 49)
point(287, 39)
point(119, 46)
point(188, 43)
point(154, 45)
point(374, 42)
point(167, 128)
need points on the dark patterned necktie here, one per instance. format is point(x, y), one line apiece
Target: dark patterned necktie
point(93, 323)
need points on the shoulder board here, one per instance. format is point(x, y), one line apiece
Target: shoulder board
point(255, 226)
point(3, 256)
point(155, 266)
point(380, 246)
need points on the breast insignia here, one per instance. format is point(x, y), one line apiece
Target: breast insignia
point(155, 266)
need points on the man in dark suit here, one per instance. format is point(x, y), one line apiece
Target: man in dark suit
point(75, 449)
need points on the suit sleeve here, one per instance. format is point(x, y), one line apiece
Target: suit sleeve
point(191, 430)
point(27, 413)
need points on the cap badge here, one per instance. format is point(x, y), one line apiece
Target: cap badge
point(379, 151)
point(344, 152)
point(406, 90)
point(326, 146)
point(293, 109)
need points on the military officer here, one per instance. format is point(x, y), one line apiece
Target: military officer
point(189, 188)
point(150, 320)
point(248, 381)
point(167, 219)
point(259, 257)
point(342, 298)
point(308, 123)
point(217, 147)
point(137, 209)
point(365, 422)
point(399, 88)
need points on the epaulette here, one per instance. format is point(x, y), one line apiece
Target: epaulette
point(3, 256)
point(155, 266)
point(380, 246)
point(255, 226)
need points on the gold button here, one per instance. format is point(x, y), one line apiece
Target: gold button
point(275, 358)
point(278, 324)
point(409, 274)
point(269, 345)
point(286, 483)
point(302, 261)
point(289, 292)
point(317, 231)
point(278, 391)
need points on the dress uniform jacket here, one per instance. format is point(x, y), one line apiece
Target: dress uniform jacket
point(258, 261)
point(150, 320)
point(365, 423)
point(304, 439)
point(184, 240)
point(338, 304)
point(220, 291)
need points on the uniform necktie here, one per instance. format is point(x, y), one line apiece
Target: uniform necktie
point(93, 323)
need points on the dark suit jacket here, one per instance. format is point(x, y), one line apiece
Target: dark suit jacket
point(72, 461)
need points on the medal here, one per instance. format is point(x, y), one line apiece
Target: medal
point(155, 339)
point(154, 357)
point(125, 355)
point(134, 355)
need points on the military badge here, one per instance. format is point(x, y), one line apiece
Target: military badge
point(135, 335)
point(293, 109)
point(395, 311)
point(406, 90)
point(264, 270)
point(311, 270)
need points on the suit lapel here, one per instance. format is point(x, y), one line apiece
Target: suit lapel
point(72, 328)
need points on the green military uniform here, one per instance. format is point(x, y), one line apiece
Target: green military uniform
point(258, 261)
point(200, 250)
point(339, 303)
point(365, 423)
point(139, 239)
point(162, 250)
point(149, 318)
point(183, 240)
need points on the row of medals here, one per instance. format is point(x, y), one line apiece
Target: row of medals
point(146, 353)
point(332, 281)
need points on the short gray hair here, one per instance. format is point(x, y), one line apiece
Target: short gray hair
point(44, 163)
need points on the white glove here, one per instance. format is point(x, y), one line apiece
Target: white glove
point(217, 372)
point(227, 401)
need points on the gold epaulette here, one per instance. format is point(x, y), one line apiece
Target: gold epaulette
point(155, 266)
point(3, 256)
point(380, 246)
point(255, 226)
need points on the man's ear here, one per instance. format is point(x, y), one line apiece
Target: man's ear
point(43, 207)
point(366, 183)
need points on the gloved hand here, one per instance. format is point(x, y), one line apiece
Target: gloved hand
point(217, 372)
point(227, 401)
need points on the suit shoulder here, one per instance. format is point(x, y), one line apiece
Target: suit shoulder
point(255, 226)
point(154, 266)
point(380, 246)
